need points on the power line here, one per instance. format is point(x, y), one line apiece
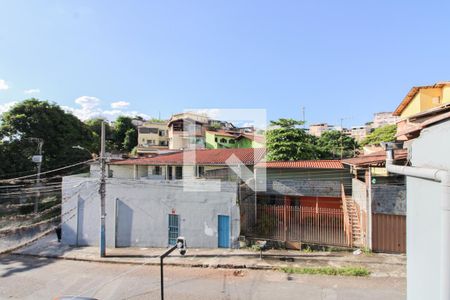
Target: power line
point(47, 172)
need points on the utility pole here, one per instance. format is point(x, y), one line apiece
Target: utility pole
point(102, 192)
point(38, 160)
point(342, 142)
point(303, 114)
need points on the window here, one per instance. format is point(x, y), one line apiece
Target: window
point(231, 141)
point(200, 171)
point(162, 133)
point(222, 140)
point(148, 130)
point(178, 172)
point(215, 139)
point(157, 170)
point(436, 100)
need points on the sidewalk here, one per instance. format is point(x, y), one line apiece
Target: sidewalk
point(381, 265)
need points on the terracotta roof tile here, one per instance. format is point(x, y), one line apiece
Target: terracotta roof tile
point(247, 156)
point(374, 159)
point(302, 164)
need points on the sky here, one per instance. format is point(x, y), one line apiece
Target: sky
point(338, 59)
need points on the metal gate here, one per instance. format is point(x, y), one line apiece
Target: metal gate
point(316, 225)
point(389, 233)
point(224, 231)
point(174, 228)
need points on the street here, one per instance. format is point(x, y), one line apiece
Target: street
point(41, 278)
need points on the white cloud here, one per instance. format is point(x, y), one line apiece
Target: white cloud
point(6, 106)
point(120, 104)
point(32, 91)
point(3, 85)
point(90, 108)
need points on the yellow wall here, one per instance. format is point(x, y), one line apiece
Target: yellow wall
point(446, 94)
point(413, 107)
point(425, 99)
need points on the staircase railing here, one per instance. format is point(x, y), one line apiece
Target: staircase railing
point(348, 228)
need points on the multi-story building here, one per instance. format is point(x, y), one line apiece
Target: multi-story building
point(318, 129)
point(381, 119)
point(187, 130)
point(152, 138)
point(360, 132)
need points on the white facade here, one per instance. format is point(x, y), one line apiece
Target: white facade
point(137, 212)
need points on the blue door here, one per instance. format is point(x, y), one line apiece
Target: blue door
point(174, 229)
point(224, 231)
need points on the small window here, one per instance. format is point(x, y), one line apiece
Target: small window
point(231, 141)
point(436, 100)
point(179, 173)
point(201, 171)
point(157, 170)
point(216, 140)
point(222, 140)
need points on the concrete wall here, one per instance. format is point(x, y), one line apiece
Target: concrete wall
point(431, 150)
point(142, 208)
point(359, 193)
point(306, 182)
point(389, 199)
point(121, 171)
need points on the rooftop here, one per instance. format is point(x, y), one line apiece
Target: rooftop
point(375, 159)
point(247, 156)
point(412, 92)
point(302, 164)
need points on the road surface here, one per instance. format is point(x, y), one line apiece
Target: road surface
point(40, 278)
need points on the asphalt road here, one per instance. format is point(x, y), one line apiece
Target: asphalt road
point(37, 278)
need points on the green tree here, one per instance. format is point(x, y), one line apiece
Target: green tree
point(130, 141)
point(332, 143)
point(121, 126)
point(95, 125)
point(381, 134)
point(40, 119)
point(287, 141)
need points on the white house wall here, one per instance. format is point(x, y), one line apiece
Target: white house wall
point(137, 212)
point(423, 222)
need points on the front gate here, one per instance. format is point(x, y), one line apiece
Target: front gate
point(297, 224)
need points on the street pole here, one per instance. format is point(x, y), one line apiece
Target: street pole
point(102, 192)
point(162, 267)
point(342, 133)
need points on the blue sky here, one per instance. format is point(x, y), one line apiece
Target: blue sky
point(337, 58)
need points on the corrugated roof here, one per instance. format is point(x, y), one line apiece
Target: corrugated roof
point(375, 159)
point(302, 164)
point(247, 156)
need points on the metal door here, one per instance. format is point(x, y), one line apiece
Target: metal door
point(224, 231)
point(174, 228)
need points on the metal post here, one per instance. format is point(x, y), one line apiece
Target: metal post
point(161, 266)
point(102, 192)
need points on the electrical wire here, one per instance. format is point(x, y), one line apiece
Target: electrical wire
point(50, 171)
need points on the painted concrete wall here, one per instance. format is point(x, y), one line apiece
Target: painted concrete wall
point(431, 150)
point(389, 199)
point(359, 193)
point(142, 208)
point(306, 182)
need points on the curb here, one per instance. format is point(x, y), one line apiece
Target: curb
point(186, 265)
